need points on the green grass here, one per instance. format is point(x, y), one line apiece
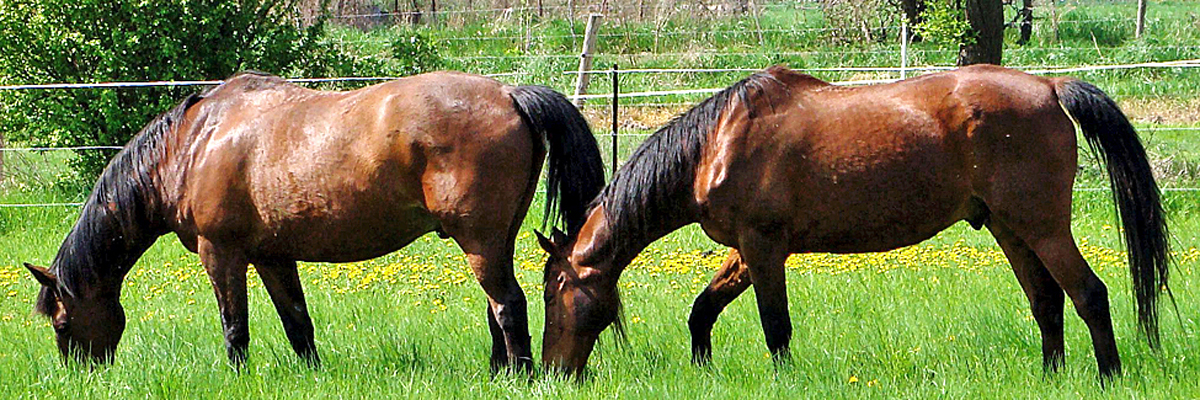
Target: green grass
point(884, 327)
point(900, 328)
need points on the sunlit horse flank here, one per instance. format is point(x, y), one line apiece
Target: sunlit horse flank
point(783, 163)
point(260, 171)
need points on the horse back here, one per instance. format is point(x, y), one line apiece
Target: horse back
point(872, 168)
point(339, 176)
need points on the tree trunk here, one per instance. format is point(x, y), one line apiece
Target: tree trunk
point(912, 14)
point(1026, 16)
point(987, 22)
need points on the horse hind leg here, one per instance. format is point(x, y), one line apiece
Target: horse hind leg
point(490, 256)
point(1045, 296)
point(282, 282)
point(1087, 292)
point(508, 318)
point(730, 282)
point(1051, 241)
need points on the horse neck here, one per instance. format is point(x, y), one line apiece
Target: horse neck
point(121, 220)
point(102, 247)
point(615, 249)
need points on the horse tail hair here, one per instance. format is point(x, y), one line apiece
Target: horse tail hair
point(1139, 207)
point(576, 169)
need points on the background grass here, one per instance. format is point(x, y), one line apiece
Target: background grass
point(942, 319)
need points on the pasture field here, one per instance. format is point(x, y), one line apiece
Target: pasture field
point(944, 319)
point(941, 319)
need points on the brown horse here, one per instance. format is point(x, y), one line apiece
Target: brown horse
point(260, 171)
point(783, 163)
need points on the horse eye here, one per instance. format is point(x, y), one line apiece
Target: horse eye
point(560, 279)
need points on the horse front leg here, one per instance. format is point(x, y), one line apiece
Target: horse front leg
point(730, 282)
point(227, 271)
point(282, 281)
point(764, 254)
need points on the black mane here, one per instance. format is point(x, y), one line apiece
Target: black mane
point(119, 214)
point(645, 191)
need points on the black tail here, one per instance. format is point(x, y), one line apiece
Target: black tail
point(1116, 144)
point(576, 172)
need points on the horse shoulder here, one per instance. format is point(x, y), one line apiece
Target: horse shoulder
point(214, 192)
point(732, 177)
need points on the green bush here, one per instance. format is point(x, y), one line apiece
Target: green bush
point(135, 40)
point(945, 22)
point(415, 53)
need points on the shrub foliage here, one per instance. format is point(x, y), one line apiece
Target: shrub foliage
point(86, 41)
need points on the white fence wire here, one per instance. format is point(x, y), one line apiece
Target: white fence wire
point(1188, 63)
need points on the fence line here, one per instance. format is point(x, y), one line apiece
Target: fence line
point(1187, 63)
point(38, 205)
point(1032, 69)
point(719, 70)
point(796, 53)
point(1190, 63)
point(581, 8)
point(4, 149)
point(668, 33)
point(696, 33)
point(112, 85)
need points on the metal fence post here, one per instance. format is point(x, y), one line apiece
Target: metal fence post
point(615, 103)
point(903, 49)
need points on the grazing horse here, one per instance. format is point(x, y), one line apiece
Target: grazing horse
point(783, 163)
point(260, 171)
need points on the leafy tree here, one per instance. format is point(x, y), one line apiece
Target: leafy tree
point(975, 26)
point(84, 41)
point(987, 23)
point(912, 13)
point(943, 21)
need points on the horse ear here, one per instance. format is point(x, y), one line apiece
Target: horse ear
point(546, 244)
point(43, 275)
point(558, 237)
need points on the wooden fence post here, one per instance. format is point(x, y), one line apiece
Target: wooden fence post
point(585, 58)
point(1141, 19)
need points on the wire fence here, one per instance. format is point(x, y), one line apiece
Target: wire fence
point(685, 96)
point(1190, 63)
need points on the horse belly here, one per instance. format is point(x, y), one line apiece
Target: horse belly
point(353, 236)
point(342, 214)
point(881, 209)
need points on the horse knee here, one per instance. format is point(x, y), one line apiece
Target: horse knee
point(1091, 301)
